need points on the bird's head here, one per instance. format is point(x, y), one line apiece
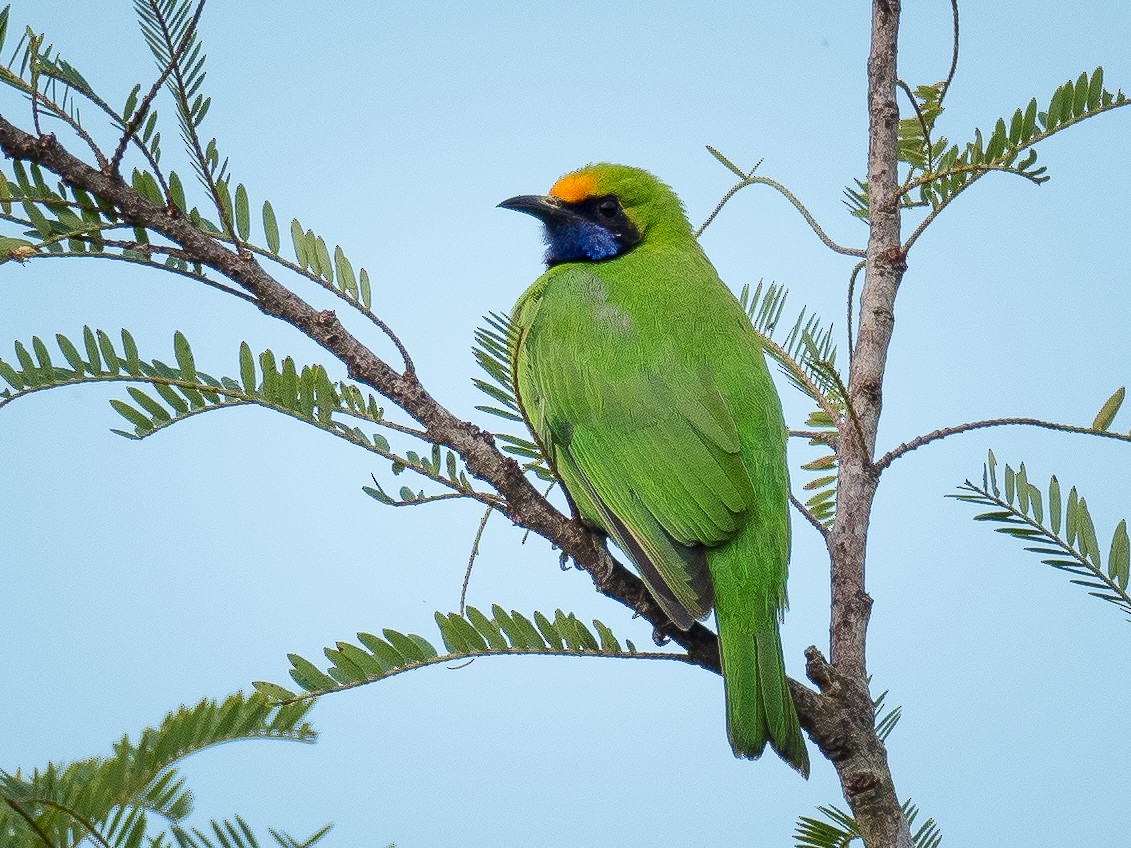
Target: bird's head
point(603, 211)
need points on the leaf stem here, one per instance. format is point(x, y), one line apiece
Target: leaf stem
point(918, 442)
point(749, 180)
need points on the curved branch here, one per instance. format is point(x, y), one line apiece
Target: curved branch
point(918, 442)
point(749, 180)
point(851, 297)
point(953, 55)
point(148, 264)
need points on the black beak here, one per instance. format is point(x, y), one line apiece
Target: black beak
point(542, 207)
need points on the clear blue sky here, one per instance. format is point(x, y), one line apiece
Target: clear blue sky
point(137, 576)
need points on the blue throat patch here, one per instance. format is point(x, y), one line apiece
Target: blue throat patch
point(579, 240)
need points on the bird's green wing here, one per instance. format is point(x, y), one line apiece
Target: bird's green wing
point(646, 447)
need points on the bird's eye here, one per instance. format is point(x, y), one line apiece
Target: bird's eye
point(608, 208)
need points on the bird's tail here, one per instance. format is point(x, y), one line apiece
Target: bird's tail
point(759, 706)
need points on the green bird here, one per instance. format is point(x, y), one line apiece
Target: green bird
point(646, 388)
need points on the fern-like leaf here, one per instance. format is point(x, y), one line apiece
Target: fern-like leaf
point(473, 634)
point(837, 829)
point(493, 350)
point(807, 356)
point(938, 173)
point(1066, 540)
point(114, 799)
point(174, 394)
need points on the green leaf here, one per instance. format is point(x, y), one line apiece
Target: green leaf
point(93, 352)
point(1054, 504)
point(307, 675)
point(41, 353)
point(156, 410)
point(1109, 410)
point(549, 633)
point(487, 628)
point(1118, 558)
point(145, 184)
point(298, 240)
point(471, 637)
point(1070, 516)
point(1086, 532)
point(70, 353)
point(325, 266)
point(224, 198)
point(131, 102)
point(272, 691)
point(384, 652)
point(270, 228)
point(140, 421)
point(1077, 552)
point(183, 353)
point(411, 648)
point(1096, 88)
point(11, 376)
point(365, 293)
point(177, 192)
point(346, 280)
point(243, 215)
point(247, 368)
point(1080, 95)
point(38, 219)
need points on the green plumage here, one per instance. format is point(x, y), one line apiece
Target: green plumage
point(644, 383)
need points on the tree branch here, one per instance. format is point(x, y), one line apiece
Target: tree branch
point(857, 752)
point(918, 442)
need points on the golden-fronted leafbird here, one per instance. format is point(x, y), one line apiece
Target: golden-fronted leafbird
point(644, 384)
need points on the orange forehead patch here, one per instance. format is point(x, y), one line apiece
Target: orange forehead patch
point(573, 188)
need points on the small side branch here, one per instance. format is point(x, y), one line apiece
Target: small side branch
point(808, 516)
point(953, 54)
point(749, 179)
point(131, 127)
point(850, 300)
point(918, 442)
point(471, 559)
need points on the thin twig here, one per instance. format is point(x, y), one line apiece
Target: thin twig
point(953, 56)
point(751, 179)
point(800, 507)
point(384, 422)
point(471, 559)
point(33, 69)
point(851, 297)
point(142, 110)
point(146, 263)
point(190, 131)
point(918, 442)
point(814, 435)
point(61, 113)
